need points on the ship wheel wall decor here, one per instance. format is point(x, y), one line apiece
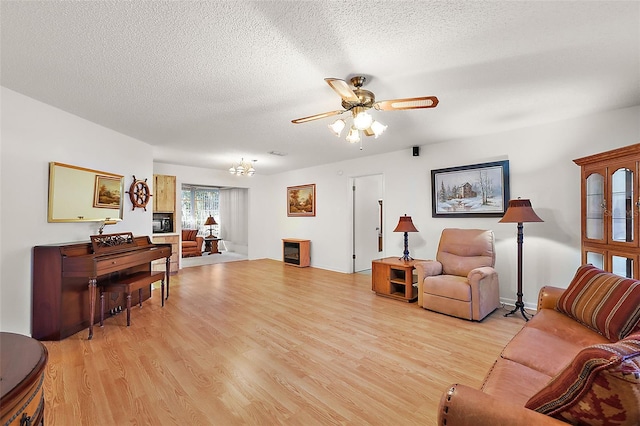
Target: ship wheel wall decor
point(139, 193)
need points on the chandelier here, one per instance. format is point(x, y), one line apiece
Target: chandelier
point(243, 168)
point(362, 121)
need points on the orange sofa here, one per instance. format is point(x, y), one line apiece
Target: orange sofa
point(191, 243)
point(577, 361)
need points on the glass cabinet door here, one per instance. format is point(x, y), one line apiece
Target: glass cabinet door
point(622, 206)
point(623, 265)
point(595, 258)
point(595, 207)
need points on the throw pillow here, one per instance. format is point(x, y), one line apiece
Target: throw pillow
point(601, 386)
point(602, 301)
point(189, 234)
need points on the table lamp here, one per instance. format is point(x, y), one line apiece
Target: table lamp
point(405, 224)
point(210, 222)
point(519, 211)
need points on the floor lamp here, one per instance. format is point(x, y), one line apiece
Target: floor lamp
point(405, 224)
point(519, 211)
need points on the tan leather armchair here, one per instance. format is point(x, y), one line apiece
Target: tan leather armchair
point(191, 243)
point(461, 281)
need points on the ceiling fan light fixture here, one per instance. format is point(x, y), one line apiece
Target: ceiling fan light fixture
point(359, 101)
point(232, 170)
point(362, 120)
point(337, 126)
point(353, 136)
point(377, 128)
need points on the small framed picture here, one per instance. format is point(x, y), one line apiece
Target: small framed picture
point(106, 193)
point(301, 200)
point(474, 190)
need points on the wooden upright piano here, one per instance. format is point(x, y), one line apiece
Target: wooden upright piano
point(65, 277)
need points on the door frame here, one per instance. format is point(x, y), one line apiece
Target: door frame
point(380, 197)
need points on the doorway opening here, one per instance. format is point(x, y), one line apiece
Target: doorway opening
point(367, 215)
point(229, 209)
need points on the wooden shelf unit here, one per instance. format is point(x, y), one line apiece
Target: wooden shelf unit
point(296, 252)
point(394, 278)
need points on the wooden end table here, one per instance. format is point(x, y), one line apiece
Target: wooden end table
point(393, 277)
point(211, 245)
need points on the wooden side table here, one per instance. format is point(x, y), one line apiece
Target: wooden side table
point(211, 245)
point(22, 366)
point(394, 278)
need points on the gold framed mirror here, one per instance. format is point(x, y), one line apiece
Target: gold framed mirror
point(78, 194)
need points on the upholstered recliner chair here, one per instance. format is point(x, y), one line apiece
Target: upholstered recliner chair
point(191, 243)
point(461, 281)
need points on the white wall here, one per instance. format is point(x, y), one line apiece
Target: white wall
point(541, 169)
point(32, 135)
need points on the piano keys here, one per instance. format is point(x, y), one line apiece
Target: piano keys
point(65, 277)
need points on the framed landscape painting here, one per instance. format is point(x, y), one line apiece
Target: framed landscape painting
point(106, 193)
point(301, 200)
point(474, 190)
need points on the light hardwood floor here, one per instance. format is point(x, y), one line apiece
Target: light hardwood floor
point(262, 343)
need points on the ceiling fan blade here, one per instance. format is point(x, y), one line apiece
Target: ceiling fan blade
point(407, 103)
point(317, 116)
point(342, 88)
point(368, 132)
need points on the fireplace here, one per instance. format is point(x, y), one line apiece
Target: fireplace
point(296, 252)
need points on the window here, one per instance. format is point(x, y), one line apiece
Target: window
point(198, 202)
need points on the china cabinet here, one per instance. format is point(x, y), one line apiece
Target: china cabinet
point(609, 214)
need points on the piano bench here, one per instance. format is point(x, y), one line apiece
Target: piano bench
point(129, 284)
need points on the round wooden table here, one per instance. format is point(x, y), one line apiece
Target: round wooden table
point(22, 365)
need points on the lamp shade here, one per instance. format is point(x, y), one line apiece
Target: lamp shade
point(378, 128)
point(337, 126)
point(210, 221)
point(363, 120)
point(353, 136)
point(520, 211)
point(405, 224)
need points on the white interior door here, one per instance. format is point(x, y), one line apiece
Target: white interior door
point(367, 221)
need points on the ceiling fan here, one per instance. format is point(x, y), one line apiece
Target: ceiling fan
point(358, 101)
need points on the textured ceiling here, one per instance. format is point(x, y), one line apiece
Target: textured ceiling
point(209, 82)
